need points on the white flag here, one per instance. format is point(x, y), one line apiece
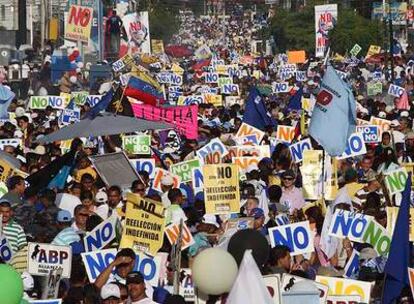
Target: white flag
point(249, 286)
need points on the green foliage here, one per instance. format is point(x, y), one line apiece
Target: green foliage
point(163, 23)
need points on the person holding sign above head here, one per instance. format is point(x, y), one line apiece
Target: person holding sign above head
point(292, 196)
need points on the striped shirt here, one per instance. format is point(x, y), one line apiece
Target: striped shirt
point(15, 235)
point(66, 237)
point(19, 260)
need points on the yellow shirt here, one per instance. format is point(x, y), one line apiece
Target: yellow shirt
point(79, 173)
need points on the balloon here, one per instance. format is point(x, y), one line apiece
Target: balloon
point(249, 239)
point(214, 271)
point(11, 285)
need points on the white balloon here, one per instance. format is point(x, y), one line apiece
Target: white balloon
point(214, 271)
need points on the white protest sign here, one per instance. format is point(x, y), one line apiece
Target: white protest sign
point(229, 89)
point(281, 87)
point(351, 225)
point(395, 90)
point(41, 102)
point(396, 180)
point(144, 164)
point(214, 146)
point(377, 236)
point(285, 133)
point(288, 281)
point(102, 235)
point(43, 258)
point(47, 301)
point(355, 146)
point(296, 149)
point(172, 231)
point(347, 287)
point(352, 266)
point(14, 142)
point(247, 140)
point(246, 129)
point(211, 77)
point(93, 100)
point(197, 180)
point(96, 261)
point(6, 251)
point(282, 219)
point(298, 237)
point(189, 100)
point(300, 76)
point(370, 133)
point(343, 299)
point(186, 285)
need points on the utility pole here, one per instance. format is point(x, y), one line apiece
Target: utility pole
point(21, 37)
point(42, 24)
point(391, 41)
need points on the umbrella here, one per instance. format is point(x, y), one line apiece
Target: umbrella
point(178, 51)
point(104, 124)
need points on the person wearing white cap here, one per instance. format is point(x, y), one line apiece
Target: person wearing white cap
point(101, 199)
point(167, 183)
point(382, 115)
point(28, 285)
point(110, 294)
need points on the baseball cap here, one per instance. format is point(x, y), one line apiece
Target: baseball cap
point(39, 150)
point(256, 213)
point(167, 180)
point(382, 114)
point(210, 219)
point(101, 197)
point(135, 277)
point(395, 123)
point(252, 167)
point(64, 216)
point(110, 291)
point(404, 114)
point(288, 174)
point(28, 282)
point(19, 112)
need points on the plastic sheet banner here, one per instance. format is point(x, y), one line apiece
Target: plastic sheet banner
point(325, 19)
point(144, 225)
point(137, 28)
point(79, 23)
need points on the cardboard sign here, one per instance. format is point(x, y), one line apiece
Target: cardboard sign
point(395, 90)
point(288, 281)
point(383, 124)
point(229, 89)
point(285, 133)
point(247, 140)
point(170, 78)
point(96, 261)
point(251, 151)
point(243, 163)
point(355, 146)
point(392, 214)
point(102, 235)
point(172, 231)
point(374, 89)
point(43, 258)
point(186, 285)
point(343, 299)
point(214, 99)
point(184, 169)
point(373, 50)
point(221, 189)
point(159, 174)
point(189, 100)
point(123, 62)
point(281, 87)
point(301, 76)
point(282, 219)
point(240, 223)
point(298, 237)
point(79, 23)
point(69, 116)
point(351, 225)
point(377, 236)
point(296, 150)
point(396, 180)
point(355, 50)
point(347, 287)
point(246, 129)
point(211, 77)
point(6, 251)
point(215, 145)
point(197, 180)
point(137, 144)
point(93, 100)
point(352, 266)
point(41, 102)
point(144, 225)
point(370, 133)
point(5, 170)
point(296, 56)
point(14, 142)
point(144, 164)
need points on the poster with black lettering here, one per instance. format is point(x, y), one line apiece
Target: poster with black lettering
point(42, 259)
point(221, 188)
point(144, 225)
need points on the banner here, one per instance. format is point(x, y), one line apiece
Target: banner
point(221, 189)
point(96, 261)
point(137, 144)
point(102, 235)
point(184, 118)
point(347, 287)
point(298, 237)
point(41, 102)
point(374, 89)
point(144, 225)
point(79, 23)
point(172, 231)
point(43, 258)
point(184, 169)
point(5, 171)
point(137, 28)
point(325, 19)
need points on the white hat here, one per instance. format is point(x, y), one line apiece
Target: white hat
point(382, 114)
point(101, 197)
point(28, 282)
point(395, 123)
point(18, 134)
point(20, 112)
point(251, 168)
point(39, 150)
point(210, 219)
point(404, 114)
point(167, 180)
point(389, 109)
point(110, 290)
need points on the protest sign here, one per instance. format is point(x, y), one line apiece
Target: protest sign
point(189, 100)
point(355, 146)
point(411, 278)
point(343, 299)
point(374, 88)
point(14, 142)
point(347, 287)
point(396, 180)
point(252, 151)
point(247, 140)
point(172, 231)
point(229, 89)
point(93, 100)
point(214, 99)
point(137, 29)
point(282, 219)
point(373, 50)
point(96, 261)
point(144, 164)
point(352, 266)
point(281, 87)
point(296, 149)
point(383, 124)
point(288, 281)
point(6, 251)
point(137, 144)
point(102, 235)
point(159, 174)
point(144, 225)
point(296, 56)
point(197, 180)
point(51, 288)
point(41, 102)
point(377, 236)
point(186, 285)
point(184, 118)
point(79, 97)
point(79, 23)
point(157, 46)
point(123, 62)
point(243, 163)
point(211, 77)
point(214, 146)
point(370, 133)
point(409, 167)
point(298, 237)
point(287, 71)
point(246, 129)
point(6, 170)
point(184, 169)
point(395, 90)
point(392, 214)
point(69, 116)
point(355, 50)
point(43, 258)
point(48, 301)
point(221, 189)
point(285, 133)
point(351, 225)
point(326, 17)
point(240, 223)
